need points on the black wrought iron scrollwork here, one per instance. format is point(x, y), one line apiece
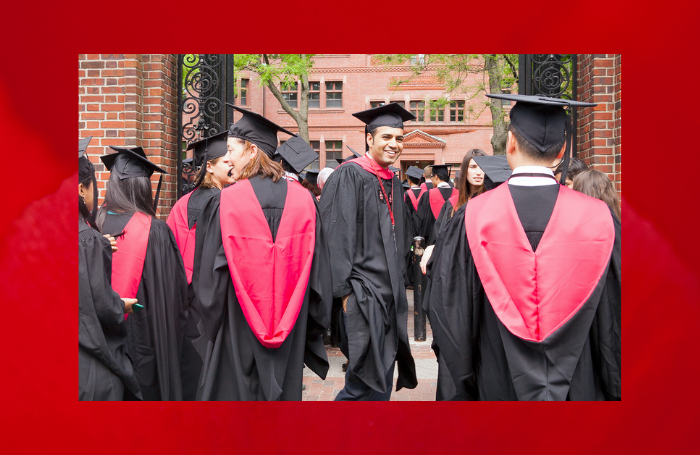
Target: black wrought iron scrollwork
point(206, 84)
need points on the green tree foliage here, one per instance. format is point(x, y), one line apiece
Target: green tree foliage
point(498, 72)
point(282, 70)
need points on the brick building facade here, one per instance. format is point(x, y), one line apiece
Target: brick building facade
point(131, 100)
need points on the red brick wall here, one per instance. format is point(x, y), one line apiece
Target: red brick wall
point(131, 100)
point(599, 128)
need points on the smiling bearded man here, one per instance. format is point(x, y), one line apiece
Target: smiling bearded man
point(363, 211)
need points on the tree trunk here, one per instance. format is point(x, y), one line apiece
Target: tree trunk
point(500, 127)
point(301, 117)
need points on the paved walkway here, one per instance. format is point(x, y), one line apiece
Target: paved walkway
point(426, 369)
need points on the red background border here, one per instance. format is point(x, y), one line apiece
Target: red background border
point(38, 257)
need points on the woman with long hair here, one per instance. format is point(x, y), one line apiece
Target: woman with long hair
point(105, 371)
point(594, 183)
point(215, 172)
point(264, 282)
point(148, 267)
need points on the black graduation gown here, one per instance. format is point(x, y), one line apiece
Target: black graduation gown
point(369, 265)
point(474, 345)
point(104, 368)
point(236, 365)
point(425, 219)
point(154, 334)
point(191, 366)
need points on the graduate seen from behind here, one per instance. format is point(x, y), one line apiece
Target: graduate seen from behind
point(105, 371)
point(512, 316)
point(364, 211)
point(215, 172)
point(264, 278)
point(148, 267)
point(430, 204)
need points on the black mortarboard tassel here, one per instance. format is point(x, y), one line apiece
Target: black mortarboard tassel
point(542, 121)
point(132, 162)
point(392, 115)
point(297, 153)
point(496, 169)
point(256, 129)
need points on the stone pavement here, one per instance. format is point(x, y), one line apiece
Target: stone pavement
point(426, 370)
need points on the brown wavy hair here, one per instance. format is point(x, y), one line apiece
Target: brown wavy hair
point(463, 183)
point(261, 165)
point(208, 181)
point(594, 183)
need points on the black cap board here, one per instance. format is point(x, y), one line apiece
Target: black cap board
point(209, 148)
point(542, 121)
point(132, 162)
point(256, 129)
point(415, 172)
point(312, 177)
point(297, 153)
point(442, 171)
point(187, 161)
point(496, 169)
point(351, 157)
point(86, 170)
point(392, 115)
point(405, 184)
point(394, 169)
point(302, 176)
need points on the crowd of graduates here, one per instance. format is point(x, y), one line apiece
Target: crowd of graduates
point(262, 261)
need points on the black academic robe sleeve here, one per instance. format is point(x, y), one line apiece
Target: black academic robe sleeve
point(409, 234)
point(445, 214)
point(424, 217)
point(155, 334)
point(342, 196)
point(104, 368)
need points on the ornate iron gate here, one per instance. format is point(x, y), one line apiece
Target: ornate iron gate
point(206, 85)
point(553, 75)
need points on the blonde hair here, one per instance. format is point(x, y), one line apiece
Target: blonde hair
point(594, 183)
point(208, 181)
point(261, 165)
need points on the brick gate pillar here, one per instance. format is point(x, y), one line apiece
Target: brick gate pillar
point(131, 100)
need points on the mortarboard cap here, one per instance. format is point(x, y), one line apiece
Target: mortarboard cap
point(210, 147)
point(405, 184)
point(312, 177)
point(187, 161)
point(302, 176)
point(83, 145)
point(442, 171)
point(496, 169)
point(541, 120)
point(391, 115)
point(130, 162)
point(297, 153)
point(415, 172)
point(394, 169)
point(256, 129)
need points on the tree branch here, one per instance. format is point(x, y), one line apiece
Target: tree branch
point(512, 67)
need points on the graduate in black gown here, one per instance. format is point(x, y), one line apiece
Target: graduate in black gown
point(294, 155)
point(148, 267)
point(214, 174)
point(264, 281)
point(369, 258)
point(525, 279)
point(105, 371)
point(430, 203)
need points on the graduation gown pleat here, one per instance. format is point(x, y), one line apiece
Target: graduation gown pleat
point(236, 366)
point(155, 334)
point(369, 265)
point(474, 347)
point(425, 219)
point(105, 371)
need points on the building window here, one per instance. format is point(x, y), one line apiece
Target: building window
point(437, 114)
point(334, 94)
point(505, 102)
point(417, 108)
point(374, 104)
point(244, 92)
point(314, 95)
point(316, 145)
point(457, 111)
point(418, 59)
point(290, 94)
point(334, 149)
